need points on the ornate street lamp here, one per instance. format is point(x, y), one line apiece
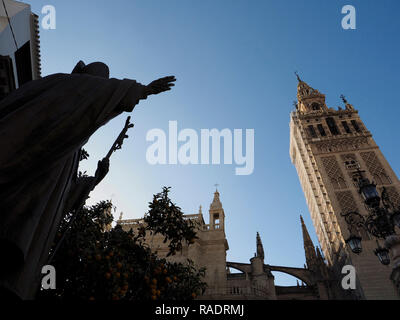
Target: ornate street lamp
point(368, 192)
point(354, 243)
point(379, 222)
point(382, 254)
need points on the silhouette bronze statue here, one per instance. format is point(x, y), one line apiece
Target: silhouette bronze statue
point(43, 126)
point(82, 185)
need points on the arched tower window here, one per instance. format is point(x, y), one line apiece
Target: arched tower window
point(351, 164)
point(332, 126)
point(315, 106)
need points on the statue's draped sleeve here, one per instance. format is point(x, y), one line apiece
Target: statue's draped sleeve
point(48, 118)
point(42, 127)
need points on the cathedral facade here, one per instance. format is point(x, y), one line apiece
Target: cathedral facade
point(328, 147)
point(253, 280)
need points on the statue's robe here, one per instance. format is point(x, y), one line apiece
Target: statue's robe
point(43, 125)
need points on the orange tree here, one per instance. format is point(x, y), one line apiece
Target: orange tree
point(95, 264)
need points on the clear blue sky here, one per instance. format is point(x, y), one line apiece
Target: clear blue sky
point(234, 61)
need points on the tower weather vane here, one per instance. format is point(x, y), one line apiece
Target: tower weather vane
point(297, 75)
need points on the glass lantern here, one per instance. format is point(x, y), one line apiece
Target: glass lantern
point(355, 244)
point(369, 193)
point(383, 255)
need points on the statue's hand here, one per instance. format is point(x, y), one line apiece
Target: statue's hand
point(102, 169)
point(160, 85)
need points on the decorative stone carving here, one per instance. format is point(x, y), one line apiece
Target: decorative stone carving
point(346, 201)
point(375, 168)
point(334, 172)
point(341, 145)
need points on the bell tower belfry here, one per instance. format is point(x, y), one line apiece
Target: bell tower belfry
point(213, 249)
point(309, 99)
point(327, 146)
point(217, 215)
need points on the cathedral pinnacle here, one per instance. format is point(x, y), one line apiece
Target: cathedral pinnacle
point(319, 255)
point(306, 235)
point(260, 248)
point(309, 248)
point(216, 204)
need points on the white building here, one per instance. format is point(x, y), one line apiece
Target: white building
point(19, 45)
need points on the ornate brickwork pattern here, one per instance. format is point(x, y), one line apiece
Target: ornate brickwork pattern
point(341, 145)
point(393, 194)
point(347, 204)
point(346, 201)
point(375, 168)
point(334, 173)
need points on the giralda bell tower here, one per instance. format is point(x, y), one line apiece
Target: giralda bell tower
point(327, 146)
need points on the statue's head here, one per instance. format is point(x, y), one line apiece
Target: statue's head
point(98, 69)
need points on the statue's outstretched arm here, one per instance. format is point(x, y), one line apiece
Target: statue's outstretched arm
point(141, 92)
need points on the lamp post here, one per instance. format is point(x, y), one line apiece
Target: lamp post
point(380, 222)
